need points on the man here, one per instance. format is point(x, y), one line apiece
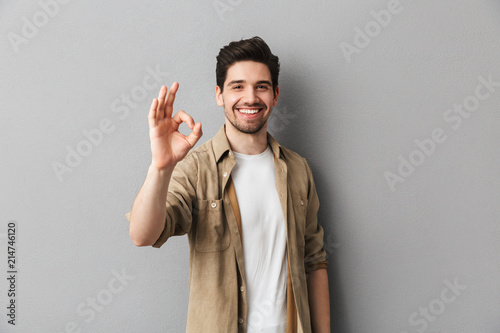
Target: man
point(248, 205)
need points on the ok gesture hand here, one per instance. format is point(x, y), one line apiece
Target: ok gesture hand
point(168, 145)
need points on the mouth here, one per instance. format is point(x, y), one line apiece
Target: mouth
point(249, 111)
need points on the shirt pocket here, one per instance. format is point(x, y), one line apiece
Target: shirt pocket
point(300, 213)
point(212, 232)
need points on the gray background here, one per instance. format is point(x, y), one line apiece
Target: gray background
point(390, 252)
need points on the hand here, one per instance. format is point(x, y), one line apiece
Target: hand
point(168, 145)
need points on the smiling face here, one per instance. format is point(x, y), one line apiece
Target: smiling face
point(248, 97)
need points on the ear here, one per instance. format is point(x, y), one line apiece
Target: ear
point(218, 96)
point(276, 95)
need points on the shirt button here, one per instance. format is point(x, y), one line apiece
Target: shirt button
point(242, 288)
point(213, 205)
point(301, 202)
point(225, 174)
point(240, 320)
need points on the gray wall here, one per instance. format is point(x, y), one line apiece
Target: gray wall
point(408, 182)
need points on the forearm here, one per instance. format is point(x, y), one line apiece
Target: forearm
point(147, 216)
point(319, 300)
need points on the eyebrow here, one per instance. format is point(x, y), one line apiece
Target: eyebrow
point(243, 81)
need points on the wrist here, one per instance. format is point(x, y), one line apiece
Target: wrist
point(161, 170)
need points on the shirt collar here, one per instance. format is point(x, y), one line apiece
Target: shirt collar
point(221, 145)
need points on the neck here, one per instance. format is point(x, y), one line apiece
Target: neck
point(244, 143)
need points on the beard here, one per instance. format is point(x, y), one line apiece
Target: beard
point(248, 127)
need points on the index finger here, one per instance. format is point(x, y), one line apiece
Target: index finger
point(170, 100)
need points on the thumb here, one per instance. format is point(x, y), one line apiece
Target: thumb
point(195, 134)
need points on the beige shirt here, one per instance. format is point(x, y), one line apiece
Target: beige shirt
point(198, 204)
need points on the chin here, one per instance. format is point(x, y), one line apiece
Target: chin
point(246, 129)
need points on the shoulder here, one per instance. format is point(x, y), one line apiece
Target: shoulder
point(298, 167)
point(295, 161)
point(203, 154)
point(202, 150)
point(292, 159)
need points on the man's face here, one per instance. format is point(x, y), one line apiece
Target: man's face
point(248, 97)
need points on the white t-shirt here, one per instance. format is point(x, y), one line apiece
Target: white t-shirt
point(264, 241)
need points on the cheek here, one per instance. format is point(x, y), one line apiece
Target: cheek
point(230, 101)
point(269, 100)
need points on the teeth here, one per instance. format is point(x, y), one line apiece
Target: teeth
point(248, 111)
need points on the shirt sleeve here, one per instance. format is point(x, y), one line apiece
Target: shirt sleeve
point(315, 254)
point(180, 198)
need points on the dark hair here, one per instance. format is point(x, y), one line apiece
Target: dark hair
point(254, 49)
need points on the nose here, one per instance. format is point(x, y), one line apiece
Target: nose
point(251, 97)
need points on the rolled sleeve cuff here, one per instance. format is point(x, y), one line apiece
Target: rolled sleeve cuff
point(317, 265)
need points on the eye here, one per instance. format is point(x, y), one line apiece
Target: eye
point(262, 86)
point(237, 87)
